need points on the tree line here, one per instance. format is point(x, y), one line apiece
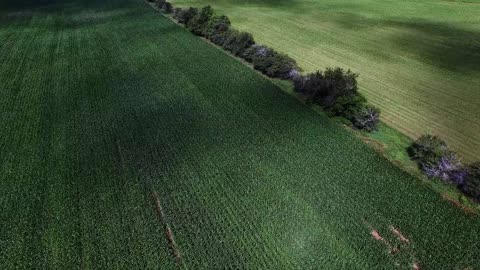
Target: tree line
point(334, 89)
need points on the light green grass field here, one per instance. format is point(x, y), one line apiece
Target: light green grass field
point(419, 61)
point(102, 100)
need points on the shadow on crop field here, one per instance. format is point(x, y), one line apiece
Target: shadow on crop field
point(439, 44)
point(443, 45)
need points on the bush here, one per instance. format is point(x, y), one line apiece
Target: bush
point(198, 23)
point(348, 106)
point(167, 7)
point(471, 184)
point(271, 63)
point(159, 3)
point(185, 15)
point(325, 88)
point(175, 12)
point(217, 28)
point(435, 159)
point(237, 42)
point(428, 149)
point(366, 118)
point(257, 51)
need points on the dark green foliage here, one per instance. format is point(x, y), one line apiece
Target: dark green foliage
point(354, 107)
point(176, 12)
point(199, 23)
point(348, 106)
point(276, 65)
point(366, 118)
point(216, 28)
point(436, 160)
point(185, 15)
point(159, 3)
point(337, 91)
point(167, 7)
point(325, 88)
point(270, 62)
point(471, 184)
point(257, 51)
point(237, 42)
point(338, 82)
point(428, 149)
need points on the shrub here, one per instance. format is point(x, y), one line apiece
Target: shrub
point(471, 184)
point(151, 1)
point(348, 106)
point(185, 15)
point(217, 25)
point(198, 23)
point(276, 66)
point(366, 118)
point(270, 62)
point(217, 28)
point(159, 3)
point(435, 159)
point(167, 7)
point(219, 39)
point(325, 88)
point(175, 12)
point(237, 42)
point(428, 149)
point(257, 51)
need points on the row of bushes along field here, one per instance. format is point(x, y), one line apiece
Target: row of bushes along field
point(334, 89)
point(437, 160)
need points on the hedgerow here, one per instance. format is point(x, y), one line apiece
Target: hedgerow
point(167, 7)
point(198, 23)
point(185, 15)
point(334, 89)
point(471, 183)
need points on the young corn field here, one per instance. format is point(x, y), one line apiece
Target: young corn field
point(104, 103)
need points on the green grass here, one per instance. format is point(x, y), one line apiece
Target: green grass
point(418, 61)
point(103, 99)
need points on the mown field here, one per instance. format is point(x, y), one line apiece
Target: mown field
point(419, 61)
point(105, 101)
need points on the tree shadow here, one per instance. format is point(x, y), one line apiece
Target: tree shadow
point(439, 44)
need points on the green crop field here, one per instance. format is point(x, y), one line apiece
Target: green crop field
point(103, 102)
point(419, 60)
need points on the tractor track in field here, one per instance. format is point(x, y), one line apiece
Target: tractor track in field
point(168, 231)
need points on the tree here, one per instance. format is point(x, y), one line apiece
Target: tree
point(199, 22)
point(159, 3)
point(217, 25)
point(176, 12)
point(435, 159)
point(257, 51)
point(237, 42)
point(325, 88)
point(185, 15)
point(348, 106)
point(310, 85)
point(217, 28)
point(471, 184)
point(428, 149)
point(167, 7)
point(366, 118)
